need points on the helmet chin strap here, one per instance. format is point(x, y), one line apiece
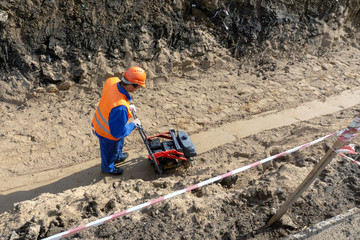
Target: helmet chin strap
point(124, 80)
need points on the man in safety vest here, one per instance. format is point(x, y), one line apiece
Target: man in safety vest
point(110, 121)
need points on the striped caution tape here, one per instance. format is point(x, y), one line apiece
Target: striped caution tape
point(349, 149)
point(182, 191)
point(349, 158)
point(350, 132)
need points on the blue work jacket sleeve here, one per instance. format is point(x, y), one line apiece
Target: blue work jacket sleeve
point(118, 119)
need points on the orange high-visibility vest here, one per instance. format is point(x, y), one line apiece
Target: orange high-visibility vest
point(110, 98)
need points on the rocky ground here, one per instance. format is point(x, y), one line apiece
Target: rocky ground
point(219, 69)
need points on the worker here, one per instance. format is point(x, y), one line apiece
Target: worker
point(111, 118)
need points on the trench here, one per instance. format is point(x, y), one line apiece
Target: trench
point(24, 187)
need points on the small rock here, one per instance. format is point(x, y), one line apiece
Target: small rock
point(228, 182)
point(266, 165)
point(264, 210)
point(42, 58)
point(286, 221)
point(3, 16)
point(189, 68)
point(278, 191)
point(34, 230)
point(31, 95)
point(59, 51)
point(110, 205)
point(65, 85)
point(14, 236)
point(240, 154)
point(83, 81)
point(48, 72)
point(52, 88)
point(300, 162)
point(299, 202)
point(205, 64)
point(40, 90)
point(64, 64)
point(272, 211)
point(199, 192)
point(80, 70)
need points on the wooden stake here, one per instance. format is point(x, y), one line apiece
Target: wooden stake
point(329, 155)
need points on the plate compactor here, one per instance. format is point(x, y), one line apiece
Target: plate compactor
point(168, 150)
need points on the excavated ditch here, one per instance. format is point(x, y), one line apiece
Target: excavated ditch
point(208, 63)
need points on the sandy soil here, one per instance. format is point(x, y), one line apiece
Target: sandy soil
point(50, 150)
point(238, 109)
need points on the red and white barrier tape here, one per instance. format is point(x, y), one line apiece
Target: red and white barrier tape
point(349, 158)
point(174, 194)
point(350, 132)
point(349, 149)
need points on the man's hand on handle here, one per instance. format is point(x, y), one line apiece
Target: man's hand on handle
point(133, 111)
point(132, 108)
point(137, 122)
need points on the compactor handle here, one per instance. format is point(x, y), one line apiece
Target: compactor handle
point(144, 138)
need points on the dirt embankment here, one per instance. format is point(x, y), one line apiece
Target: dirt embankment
point(209, 63)
point(45, 42)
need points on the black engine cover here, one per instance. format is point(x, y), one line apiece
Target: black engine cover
point(186, 144)
point(181, 143)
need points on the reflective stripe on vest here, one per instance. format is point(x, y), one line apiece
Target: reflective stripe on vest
point(103, 119)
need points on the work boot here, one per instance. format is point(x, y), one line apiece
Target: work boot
point(117, 171)
point(125, 155)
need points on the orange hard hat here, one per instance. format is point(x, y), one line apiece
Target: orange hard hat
point(136, 75)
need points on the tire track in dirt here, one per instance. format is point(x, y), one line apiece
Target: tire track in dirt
point(58, 180)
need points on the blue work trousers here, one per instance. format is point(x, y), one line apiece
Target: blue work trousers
point(110, 152)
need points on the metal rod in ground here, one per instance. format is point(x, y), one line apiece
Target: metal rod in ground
point(329, 155)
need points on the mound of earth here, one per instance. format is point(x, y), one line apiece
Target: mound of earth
point(220, 70)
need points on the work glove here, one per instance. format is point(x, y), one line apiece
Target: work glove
point(137, 122)
point(132, 108)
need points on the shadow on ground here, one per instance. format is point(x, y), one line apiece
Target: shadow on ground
point(135, 168)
